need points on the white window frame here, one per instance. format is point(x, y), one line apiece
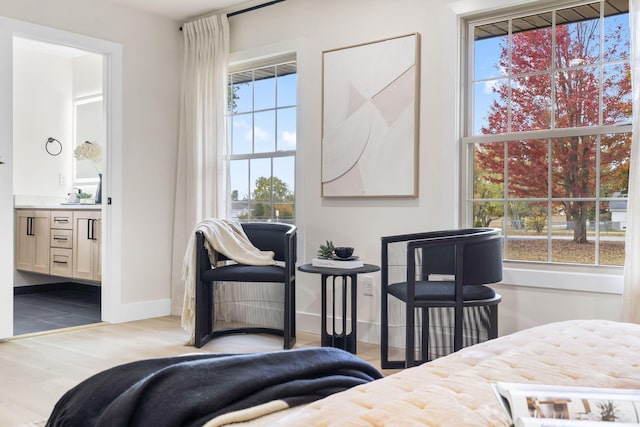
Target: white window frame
point(249, 66)
point(570, 277)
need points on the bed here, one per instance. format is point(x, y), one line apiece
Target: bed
point(455, 390)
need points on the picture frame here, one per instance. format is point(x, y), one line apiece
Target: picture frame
point(370, 112)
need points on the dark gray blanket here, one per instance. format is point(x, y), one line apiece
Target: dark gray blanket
point(193, 389)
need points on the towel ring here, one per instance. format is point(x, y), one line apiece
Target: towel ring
point(49, 141)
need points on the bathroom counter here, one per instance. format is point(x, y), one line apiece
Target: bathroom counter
point(60, 207)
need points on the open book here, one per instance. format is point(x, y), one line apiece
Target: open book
point(535, 405)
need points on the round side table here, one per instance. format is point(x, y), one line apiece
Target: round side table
point(342, 338)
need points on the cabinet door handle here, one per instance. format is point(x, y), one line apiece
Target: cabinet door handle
point(64, 239)
point(59, 262)
point(62, 220)
point(30, 226)
point(91, 232)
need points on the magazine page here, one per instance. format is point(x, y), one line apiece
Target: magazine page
point(550, 422)
point(556, 406)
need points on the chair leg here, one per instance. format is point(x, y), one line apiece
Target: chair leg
point(457, 327)
point(289, 327)
point(410, 351)
point(425, 335)
point(204, 313)
point(493, 316)
point(285, 326)
point(292, 315)
point(384, 331)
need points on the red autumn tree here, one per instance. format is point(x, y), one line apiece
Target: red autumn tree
point(568, 97)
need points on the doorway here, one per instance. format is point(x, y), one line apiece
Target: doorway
point(57, 112)
point(110, 225)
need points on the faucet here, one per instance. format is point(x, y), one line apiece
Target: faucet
point(72, 197)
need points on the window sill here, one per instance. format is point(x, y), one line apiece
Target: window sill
point(607, 280)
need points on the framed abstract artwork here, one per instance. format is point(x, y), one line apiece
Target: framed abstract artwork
point(370, 119)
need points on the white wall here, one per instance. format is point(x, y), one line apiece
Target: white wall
point(45, 85)
point(87, 75)
point(524, 307)
point(151, 69)
point(42, 107)
point(309, 27)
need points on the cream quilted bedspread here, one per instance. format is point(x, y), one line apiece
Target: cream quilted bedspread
point(455, 391)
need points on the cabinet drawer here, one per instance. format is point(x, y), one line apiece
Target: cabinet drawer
point(61, 262)
point(61, 238)
point(62, 219)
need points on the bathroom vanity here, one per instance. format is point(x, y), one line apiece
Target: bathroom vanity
point(59, 241)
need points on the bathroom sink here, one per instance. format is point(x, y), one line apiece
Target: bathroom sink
point(79, 204)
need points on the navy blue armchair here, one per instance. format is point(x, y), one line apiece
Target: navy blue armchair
point(466, 261)
point(277, 237)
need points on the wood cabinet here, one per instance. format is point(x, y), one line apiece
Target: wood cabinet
point(87, 226)
point(59, 242)
point(32, 240)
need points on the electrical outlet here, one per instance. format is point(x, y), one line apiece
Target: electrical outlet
point(367, 286)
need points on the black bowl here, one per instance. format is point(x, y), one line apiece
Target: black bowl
point(343, 251)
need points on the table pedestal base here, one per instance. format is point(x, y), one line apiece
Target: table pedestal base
point(340, 338)
point(344, 283)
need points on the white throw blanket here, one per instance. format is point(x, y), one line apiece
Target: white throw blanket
point(226, 237)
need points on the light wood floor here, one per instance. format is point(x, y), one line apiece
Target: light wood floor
point(35, 370)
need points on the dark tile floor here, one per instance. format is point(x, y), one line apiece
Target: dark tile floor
point(45, 307)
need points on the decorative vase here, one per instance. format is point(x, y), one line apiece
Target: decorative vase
point(98, 198)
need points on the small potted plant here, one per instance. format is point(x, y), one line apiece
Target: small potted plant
point(85, 198)
point(326, 251)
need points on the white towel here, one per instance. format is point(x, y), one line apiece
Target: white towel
point(226, 237)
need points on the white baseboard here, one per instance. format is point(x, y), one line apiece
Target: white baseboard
point(305, 322)
point(310, 323)
point(139, 311)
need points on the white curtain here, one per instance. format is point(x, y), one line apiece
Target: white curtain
point(631, 294)
point(201, 170)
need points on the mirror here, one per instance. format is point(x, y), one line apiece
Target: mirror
point(89, 126)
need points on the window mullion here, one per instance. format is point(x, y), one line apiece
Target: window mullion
point(597, 206)
point(253, 111)
point(510, 78)
point(601, 67)
point(505, 210)
point(552, 71)
point(549, 200)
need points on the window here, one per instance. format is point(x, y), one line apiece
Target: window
point(548, 131)
point(262, 140)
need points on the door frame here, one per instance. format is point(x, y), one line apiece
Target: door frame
point(112, 184)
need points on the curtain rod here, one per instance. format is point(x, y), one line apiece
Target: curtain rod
point(250, 9)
